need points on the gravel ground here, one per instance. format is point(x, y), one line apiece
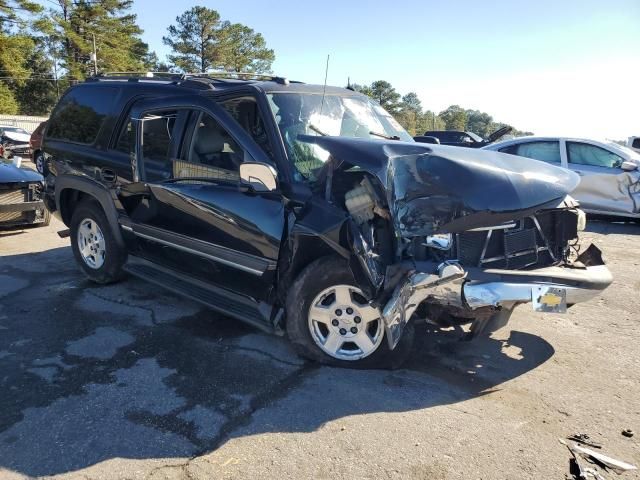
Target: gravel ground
point(129, 381)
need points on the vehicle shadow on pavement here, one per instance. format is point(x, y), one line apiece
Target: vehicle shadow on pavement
point(612, 225)
point(91, 373)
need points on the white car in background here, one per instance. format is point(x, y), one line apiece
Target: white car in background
point(634, 143)
point(610, 180)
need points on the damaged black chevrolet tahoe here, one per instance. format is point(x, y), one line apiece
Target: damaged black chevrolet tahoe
point(309, 212)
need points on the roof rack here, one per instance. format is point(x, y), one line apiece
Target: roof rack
point(223, 75)
point(205, 80)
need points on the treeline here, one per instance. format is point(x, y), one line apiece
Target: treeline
point(44, 50)
point(408, 111)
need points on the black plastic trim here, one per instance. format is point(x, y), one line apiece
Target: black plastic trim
point(233, 258)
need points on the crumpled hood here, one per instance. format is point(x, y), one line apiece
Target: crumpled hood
point(435, 188)
point(9, 173)
point(17, 137)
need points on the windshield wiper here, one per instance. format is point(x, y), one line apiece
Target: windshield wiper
point(317, 130)
point(382, 135)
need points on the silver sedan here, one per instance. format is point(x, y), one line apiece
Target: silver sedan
point(610, 179)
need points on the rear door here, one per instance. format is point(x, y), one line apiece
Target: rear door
point(604, 187)
point(188, 209)
point(544, 150)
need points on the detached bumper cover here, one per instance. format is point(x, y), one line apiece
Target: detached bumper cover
point(450, 284)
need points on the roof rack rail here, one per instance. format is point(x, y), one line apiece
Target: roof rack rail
point(225, 75)
point(201, 80)
point(135, 76)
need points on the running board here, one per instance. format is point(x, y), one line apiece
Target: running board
point(218, 299)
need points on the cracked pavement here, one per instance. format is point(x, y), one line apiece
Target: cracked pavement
point(131, 381)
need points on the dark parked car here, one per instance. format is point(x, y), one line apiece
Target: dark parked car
point(462, 139)
point(36, 147)
point(308, 212)
point(21, 197)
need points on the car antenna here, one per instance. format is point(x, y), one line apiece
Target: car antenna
point(324, 89)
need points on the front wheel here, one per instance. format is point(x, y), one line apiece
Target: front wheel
point(329, 320)
point(38, 159)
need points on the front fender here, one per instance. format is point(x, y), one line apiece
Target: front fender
point(93, 189)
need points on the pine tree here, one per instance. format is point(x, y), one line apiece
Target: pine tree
point(117, 35)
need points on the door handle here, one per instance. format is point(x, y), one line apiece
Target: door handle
point(108, 175)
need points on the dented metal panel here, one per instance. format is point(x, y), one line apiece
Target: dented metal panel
point(432, 189)
point(611, 193)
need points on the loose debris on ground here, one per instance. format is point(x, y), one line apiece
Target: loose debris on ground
point(581, 470)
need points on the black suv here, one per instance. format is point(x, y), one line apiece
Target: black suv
point(308, 211)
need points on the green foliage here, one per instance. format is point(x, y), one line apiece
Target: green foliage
point(38, 95)
point(412, 103)
point(196, 40)
point(201, 42)
point(14, 50)
point(454, 118)
point(16, 13)
point(363, 89)
point(245, 50)
point(431, 121)
point(153, 64)
point(72, 25)
point(8, 103)
point(385, 95)
point(480, 123)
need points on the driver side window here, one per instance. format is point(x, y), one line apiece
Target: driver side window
point(586, 154)
point(210, 152)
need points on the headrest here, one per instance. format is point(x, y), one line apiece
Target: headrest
point(209, 139)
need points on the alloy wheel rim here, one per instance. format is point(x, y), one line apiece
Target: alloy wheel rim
point(343, 324)
point(91, 243)
point(40, 164)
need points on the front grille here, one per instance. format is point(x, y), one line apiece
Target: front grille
point(17, 195)
point(534, 242)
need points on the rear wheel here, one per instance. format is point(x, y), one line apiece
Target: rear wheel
point(94, 246)
point(329, 320)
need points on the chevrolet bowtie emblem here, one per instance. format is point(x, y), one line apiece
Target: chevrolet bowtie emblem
point(551, 299)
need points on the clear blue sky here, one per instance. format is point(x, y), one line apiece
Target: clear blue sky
point(567, 67)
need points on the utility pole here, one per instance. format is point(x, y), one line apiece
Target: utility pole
point(94, 55)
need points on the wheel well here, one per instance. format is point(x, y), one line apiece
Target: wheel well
point(307, 249)
point(70, 198)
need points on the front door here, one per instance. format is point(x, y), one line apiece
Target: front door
point(189, 211)
point(604, 186)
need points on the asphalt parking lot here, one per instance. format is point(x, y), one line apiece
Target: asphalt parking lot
point(129, 381)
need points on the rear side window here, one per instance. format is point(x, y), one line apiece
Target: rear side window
point(80, 114)
point(544, 151)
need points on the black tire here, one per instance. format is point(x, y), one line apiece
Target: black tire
point(316, 277)
point(38, 161)
point(114, 257)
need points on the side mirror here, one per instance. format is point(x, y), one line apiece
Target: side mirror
point(259, 176)
point(628, 166)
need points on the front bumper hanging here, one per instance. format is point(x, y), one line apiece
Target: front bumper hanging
point(549, 289)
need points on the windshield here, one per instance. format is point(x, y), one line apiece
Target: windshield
point(334, 115)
